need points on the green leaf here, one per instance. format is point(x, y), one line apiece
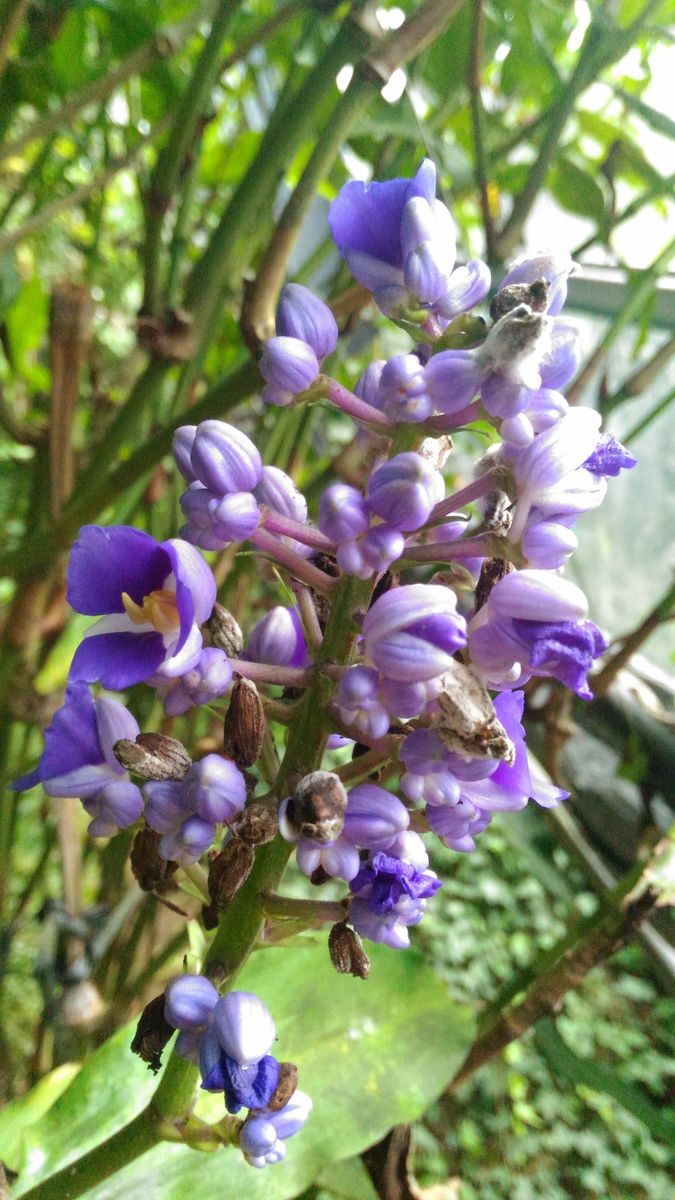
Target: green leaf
point(18, 1116)
point(577, 191)
point(371, 1055)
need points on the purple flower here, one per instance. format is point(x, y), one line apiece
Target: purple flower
point(372, 553)
point(244, 1026)
point(288, 366)
point(78, 759)
point(214, 789)
point(404, 491)
point(609, 457)
point(303, 316)
point(155, 596)
point(339, 859)
point(115, 806)
point(532, 624)
point(277, 638)
point(359, 702)
point(374, 817)
point(389, 895)
point(244, 1087)
point(467, 286)
point(190, 1001)
point(263, 1134)
point(208, 679)
point(219, 456)
point(343, 513)
point(555, 266)
point(411, 633)
point(457, 827)
point(185, 836)
point(403, 391)
point(395, 236)
point(277, 490)
point(214, 521)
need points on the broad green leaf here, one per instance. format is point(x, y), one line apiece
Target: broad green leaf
point(371, 1055)
point(18, 1116)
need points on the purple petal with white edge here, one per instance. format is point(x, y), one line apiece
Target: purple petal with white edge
point(404, 490)
point(118, 660)
point(291, 1118)
point(245, 1027)
point(106, 562)
point(559, 450)
point(548, 544)
point(190, 1000)
point(303, 315)
point(215, 789)
point(195, 585)
point(118, 804)
point(453, 379)
point(382, 546)
point(343, 513)
point(427, 271)
point(341, 860)
point(368, 385)
point(366, 217)
point(609, 457)
point(537, 596)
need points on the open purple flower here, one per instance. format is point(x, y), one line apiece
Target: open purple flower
point(78, 760)
point(154, 596)
point(532, 624)
point(264, 1133)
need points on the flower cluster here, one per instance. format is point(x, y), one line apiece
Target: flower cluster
point(229, 1037)
point(430, 686)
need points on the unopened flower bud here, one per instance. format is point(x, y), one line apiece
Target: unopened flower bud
point(244, 725)
point(153, 756)
point(316, 810)
point(258, 824)
point(303, 315)
point(288, 1082)
point(229, 871)
point(153, 1033)
point(492, 570)
point(148, 866)
point(225, 632)
point(346, 951)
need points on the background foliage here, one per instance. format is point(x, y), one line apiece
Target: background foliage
point(163, 167)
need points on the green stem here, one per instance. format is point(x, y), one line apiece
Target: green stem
point(173, 155)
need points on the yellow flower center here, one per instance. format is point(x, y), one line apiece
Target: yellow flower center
point(158, 609)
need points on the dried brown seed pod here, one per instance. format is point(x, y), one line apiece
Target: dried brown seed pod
point(153, 1032)
point(257, 824)
point(346, 951)
point(244, 725)
point(228, 871)
point(316, 810)
point(153, 756)
point(225, 632)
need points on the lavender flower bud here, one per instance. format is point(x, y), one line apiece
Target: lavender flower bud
point(277, 490)
point(215, 789)
point(374, 817)
point(183, 441)
point(346, 952)
point(343, 513)
point(190, 1001)
point(116, 806)
point(411, 633)
point(467, 286)
point(244, 1027)
point(404, 490)
point(214, 521)
point(381, 546)
point(317, 807)
point(368, 386)
point(304, 316)
point(288, 364)
point(209, 679)
point(360, 704)
point(403, 394)
point(224, 460)
point(278, 639)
